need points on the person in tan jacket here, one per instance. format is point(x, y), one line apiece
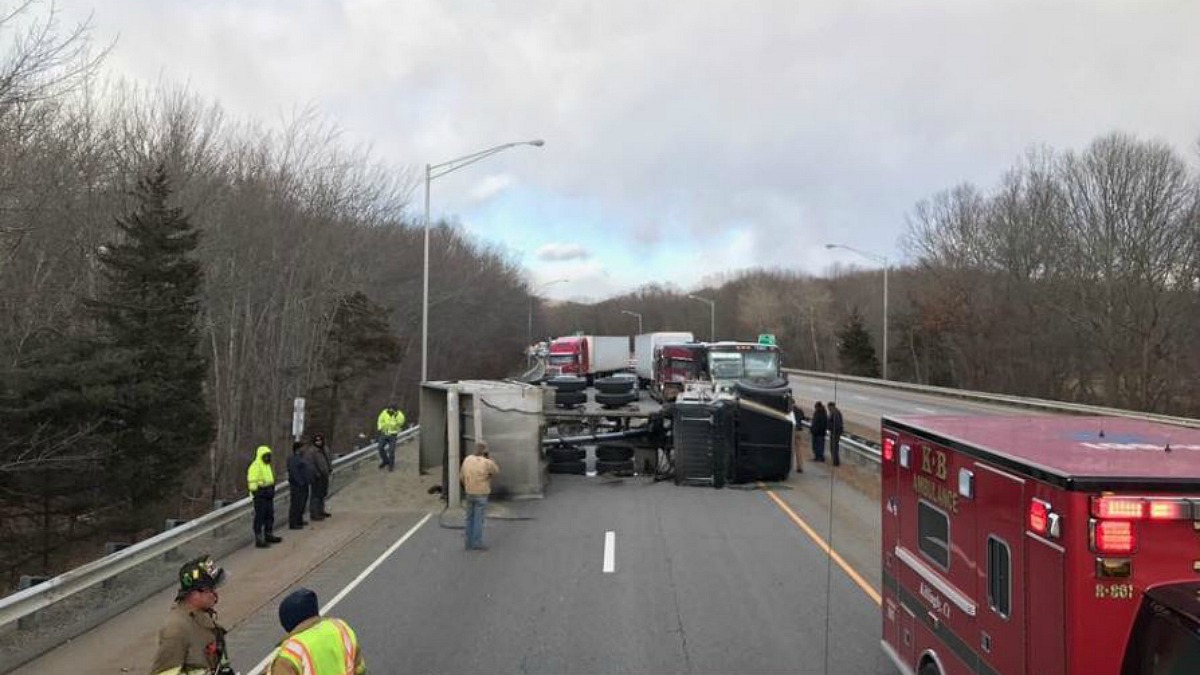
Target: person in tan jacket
point(476, 475)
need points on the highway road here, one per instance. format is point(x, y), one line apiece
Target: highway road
point(700, 581)
point(865, 405)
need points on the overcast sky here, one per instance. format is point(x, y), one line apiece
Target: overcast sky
point(688, 138)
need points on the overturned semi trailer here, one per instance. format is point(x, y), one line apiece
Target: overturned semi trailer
point(507, 414)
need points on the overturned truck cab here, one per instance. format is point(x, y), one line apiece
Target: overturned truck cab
point(735, 424)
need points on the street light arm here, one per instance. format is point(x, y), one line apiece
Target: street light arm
point(439, 170)
point(873, 256)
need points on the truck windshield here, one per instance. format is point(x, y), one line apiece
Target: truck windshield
point(1162, 642)
point(743, 364)
point(561, 359)
point(685, 367)
point(725, 365)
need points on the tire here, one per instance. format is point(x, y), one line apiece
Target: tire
point(577, 468)
point(614, 467)
point(930, 668)
point(567, 383)
point(614, 385)
point(570, 398)
point(614, 453)
point(559, 455)
point(615, 400)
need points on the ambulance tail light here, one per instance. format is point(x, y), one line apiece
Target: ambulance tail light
point(1141, 508)
point(1039, 516)
point(1112, 537)
point(889, 449)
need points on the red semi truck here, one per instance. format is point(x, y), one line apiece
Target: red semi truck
point(674, 366)
point(1040, 545)
point(588, 356)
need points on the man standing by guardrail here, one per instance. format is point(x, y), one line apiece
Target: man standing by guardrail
point(192, 642)
point(322, 468)
point(260, 480)
point(836, 427)
point(389, 424)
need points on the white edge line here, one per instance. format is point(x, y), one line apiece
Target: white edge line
point(610, 545)
point(258, 669)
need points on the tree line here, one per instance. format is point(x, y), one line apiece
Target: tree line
point(171, 279)
point(1075, 278)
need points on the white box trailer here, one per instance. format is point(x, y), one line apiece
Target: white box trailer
point(609, 354)
point(644, 346)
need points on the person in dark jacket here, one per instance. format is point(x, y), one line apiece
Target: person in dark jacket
point(317, 458)
point(820, 425)
point(299, 480)
point(798, 413)
point(836, 427)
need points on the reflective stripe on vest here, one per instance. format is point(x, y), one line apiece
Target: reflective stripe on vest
point(300, 656)
point(325, 648)
point(347, 644)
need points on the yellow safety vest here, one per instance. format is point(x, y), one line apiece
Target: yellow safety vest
point(328, 647)
point(259, 474)
point(390, 423)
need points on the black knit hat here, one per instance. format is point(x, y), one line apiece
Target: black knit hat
point(299, 605)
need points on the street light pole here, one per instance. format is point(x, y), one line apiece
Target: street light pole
point(639, 318)
point(880, 259)
point(433, 171)
point(712, 321)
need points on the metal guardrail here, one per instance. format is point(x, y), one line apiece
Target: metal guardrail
point(17, 609)
point(1005, 399)
point(860, 447)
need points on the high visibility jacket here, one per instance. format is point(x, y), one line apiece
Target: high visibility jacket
point(328, 647)
point(389, 423)
point(259, 474)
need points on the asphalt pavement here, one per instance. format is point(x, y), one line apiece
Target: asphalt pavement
point(701, 581)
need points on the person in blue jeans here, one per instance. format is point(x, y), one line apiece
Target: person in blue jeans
point(476, 476)
point(820, 426)
point(389, 424)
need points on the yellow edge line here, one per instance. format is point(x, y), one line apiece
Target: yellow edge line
point(837, 558)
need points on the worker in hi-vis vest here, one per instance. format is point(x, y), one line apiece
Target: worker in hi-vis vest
point(315, 645)
point(389, 424)
point(260, 480)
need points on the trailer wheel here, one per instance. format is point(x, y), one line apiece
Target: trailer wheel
point(558, 455)
point(577, 468)
point(570, 398)
point(614, 453)
point(614, 385)
point(623, 467)
point(615, 400)
point(930, 668)
point(567, 383)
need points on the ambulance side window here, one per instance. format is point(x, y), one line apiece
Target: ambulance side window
point(933, 533)
point(999, 573)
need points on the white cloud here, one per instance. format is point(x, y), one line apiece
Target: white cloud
point(490, 186)
point(555, 252)
point(794, 122)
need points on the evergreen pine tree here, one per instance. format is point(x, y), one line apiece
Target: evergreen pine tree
point(360, 342)
point(856, 354)
point(160, 421)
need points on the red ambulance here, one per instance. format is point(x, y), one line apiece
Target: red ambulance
point(1040, 545)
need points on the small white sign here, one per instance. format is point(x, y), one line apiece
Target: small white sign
point(297, 418)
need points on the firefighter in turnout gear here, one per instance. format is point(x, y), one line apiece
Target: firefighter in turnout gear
point(192, 642)
point(315, 645)
point(260, 481)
